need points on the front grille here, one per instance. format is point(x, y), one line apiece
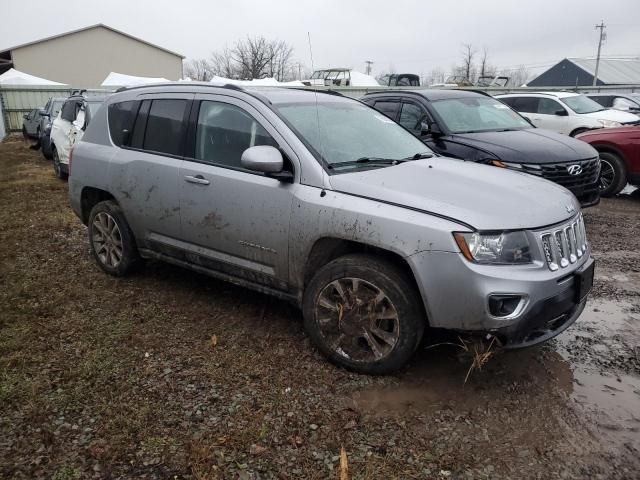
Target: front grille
point(564, 245)
point(589, 171)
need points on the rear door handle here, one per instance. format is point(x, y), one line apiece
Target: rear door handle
point(199, 179)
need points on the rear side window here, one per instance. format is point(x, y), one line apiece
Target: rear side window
point(522, 104)
point(390, 109)
point(121, 118)
point(164, 130)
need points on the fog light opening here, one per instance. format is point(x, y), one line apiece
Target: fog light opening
point(504, 305)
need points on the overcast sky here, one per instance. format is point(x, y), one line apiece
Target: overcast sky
point(408, 35)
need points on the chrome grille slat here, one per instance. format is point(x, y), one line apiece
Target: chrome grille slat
point(565, 244)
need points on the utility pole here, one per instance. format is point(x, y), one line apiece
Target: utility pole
point(603, 36)
point(368, 67)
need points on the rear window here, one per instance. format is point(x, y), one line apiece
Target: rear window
point(121, 118)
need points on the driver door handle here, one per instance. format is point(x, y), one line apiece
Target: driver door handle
point(199, 179)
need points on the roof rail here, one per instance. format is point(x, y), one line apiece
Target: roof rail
point(78, 91)
point(317, 90)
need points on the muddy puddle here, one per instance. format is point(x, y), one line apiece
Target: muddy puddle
point(592, 369)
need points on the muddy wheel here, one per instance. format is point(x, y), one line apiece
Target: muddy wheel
point(613, 174)
point(112, 243)
point(57, 168)
point(364, 314)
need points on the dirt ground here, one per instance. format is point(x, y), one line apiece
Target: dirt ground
point(120, 378)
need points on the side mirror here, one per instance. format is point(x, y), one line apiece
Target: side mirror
point(435, 130)
point(425, 128)
point(265, 159)
point(561, 113)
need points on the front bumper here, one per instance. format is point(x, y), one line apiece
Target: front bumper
point(456, 295)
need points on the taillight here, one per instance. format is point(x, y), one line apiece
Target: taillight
point(70, 157)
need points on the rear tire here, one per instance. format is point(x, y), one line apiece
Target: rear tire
point(364, 314)
point(113, 245)
point(613, 174)
point(57, 167)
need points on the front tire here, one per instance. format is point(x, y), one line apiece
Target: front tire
point(57, 167)
point(112, 242)
point(364, 313)
point(613, 174)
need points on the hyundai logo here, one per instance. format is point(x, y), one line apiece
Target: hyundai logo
point(574, 169)
point(570, 208)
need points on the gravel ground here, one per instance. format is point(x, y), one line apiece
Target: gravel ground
point(170, 374)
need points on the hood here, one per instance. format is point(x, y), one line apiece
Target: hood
point(632, 130)
point(615, 115)
point(485, 197)
point(532, 145)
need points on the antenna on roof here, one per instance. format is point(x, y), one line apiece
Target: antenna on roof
point(311, 51)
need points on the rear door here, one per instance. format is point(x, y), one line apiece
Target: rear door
point(234, 220)
point(146, 168)
point(61, 128)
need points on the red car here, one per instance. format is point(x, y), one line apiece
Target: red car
point(619, 150)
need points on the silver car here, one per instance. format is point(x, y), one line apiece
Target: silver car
point(322, 201)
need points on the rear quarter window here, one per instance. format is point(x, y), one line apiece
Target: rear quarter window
point(121, 118)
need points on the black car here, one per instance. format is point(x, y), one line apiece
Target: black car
point(472, 125)
point(47, 115)
point(627, 102)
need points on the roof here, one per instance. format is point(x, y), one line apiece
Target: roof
point(551, 94)
point(97, 25)
point(611, 70)
point(432, 94)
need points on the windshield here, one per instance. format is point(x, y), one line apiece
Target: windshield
point(477, 114)
point(582, 104)
point(635, 97)
point(344, 130)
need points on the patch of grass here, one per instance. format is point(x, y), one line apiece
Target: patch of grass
point(67, 473)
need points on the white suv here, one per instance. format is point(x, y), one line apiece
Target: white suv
point(566, 112)
point(68, 127)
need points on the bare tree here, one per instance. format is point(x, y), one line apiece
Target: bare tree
point(468, 52)
point(517, 77)
point(437, 76)
point(198, 69)
point(223, 64)
point(252, 55)
point(281, 58)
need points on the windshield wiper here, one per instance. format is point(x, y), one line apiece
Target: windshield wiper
point(419, 156)
point(367, 161)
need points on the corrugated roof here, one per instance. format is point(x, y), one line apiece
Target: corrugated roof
point(611, 71)
point(98, 25)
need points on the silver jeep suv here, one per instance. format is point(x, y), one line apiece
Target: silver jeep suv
point(321, 200)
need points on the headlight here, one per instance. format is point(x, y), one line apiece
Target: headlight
point(530, 168)
point(494, 248)
point(609, 123)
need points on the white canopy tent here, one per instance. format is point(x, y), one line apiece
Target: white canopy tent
point(115, 79)
point(16, 77)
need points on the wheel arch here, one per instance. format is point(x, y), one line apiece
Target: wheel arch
point(89, 197)
point(326, 249)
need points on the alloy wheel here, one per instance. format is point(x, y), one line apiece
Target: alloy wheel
point(357, 320)
point(607, 174)
point(106, 239)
